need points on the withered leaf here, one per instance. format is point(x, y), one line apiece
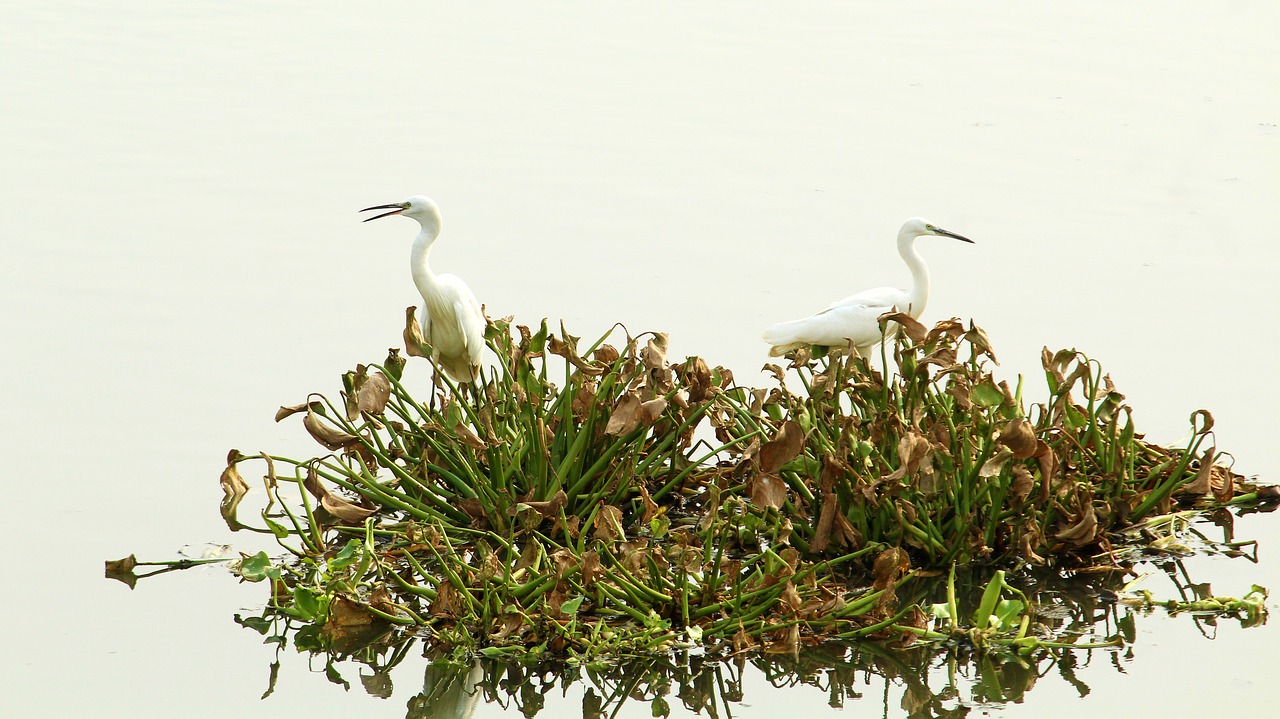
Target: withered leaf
point(414, 343)
point(233, 485)
point(468, 437)
point(698, 378)
point(1019, 437)
point(286, 410)
point(625, 416)
point(651, 508)
point(782, 448)
point(606, 354)
point(549, 508)
point(1083, 528)
point(373, 394)
point(608, 524)
point(791, 597)
point(913, 448)
point(831, 469)
point(1200, 486)
point(768, 491)
point(327, 435)
point(992, 467)
point(650, 411)
point(914, 331)
point(121, 570)
point(977, 339)
point(333, 504)
point(1022, 483)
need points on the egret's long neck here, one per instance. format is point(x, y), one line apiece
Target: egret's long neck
point(918, 295)
point(423, 277)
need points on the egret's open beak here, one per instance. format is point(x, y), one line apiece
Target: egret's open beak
point(398, 209)
point(952, 235)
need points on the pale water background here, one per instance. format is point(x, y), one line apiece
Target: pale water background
point(182, 254)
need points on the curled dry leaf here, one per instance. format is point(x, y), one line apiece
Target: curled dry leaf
point(549, 508)
point(1200, 486)
point(650, 411)
point(977, 339)
point(783, 448)
point(373, 394)
point(1082, 526)
point(333, 504)
point(625, 416)
point(1019, 437)
point(286, 410)
point(914, 331)
point(831, 469)
point(606, 354)
point(993, 466)
point(233, 485)
point(327, 435)
point(468, 437)
point(1022, 483)
point(608, 524)
point(768, 490)
point(913, 449)
point(414, 343)
point(698, 378)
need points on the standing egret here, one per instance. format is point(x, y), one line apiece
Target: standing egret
point(452, 321)
point(855, 320)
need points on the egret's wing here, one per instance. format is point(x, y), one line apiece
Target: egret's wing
point(855, 319)
point(470, 317)
point(875, 297)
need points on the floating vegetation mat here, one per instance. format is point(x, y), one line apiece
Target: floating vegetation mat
point(603, 500)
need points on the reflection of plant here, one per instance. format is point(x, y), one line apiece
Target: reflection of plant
point(594, 518)
point(939, 677)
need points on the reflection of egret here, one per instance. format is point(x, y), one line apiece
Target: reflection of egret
point(452, 321)
point(450, 691)
point(855, 320)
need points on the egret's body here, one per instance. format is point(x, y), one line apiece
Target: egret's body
point(452, 321)
point(855, 320)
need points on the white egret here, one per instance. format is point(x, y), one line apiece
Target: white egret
point(452, 321)
point(855, 320)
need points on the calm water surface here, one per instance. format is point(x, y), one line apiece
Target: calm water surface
point(181, 254)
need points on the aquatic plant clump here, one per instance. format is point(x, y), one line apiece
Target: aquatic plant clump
point(642, 504)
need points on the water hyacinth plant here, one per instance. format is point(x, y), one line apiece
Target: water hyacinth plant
point(633, 504)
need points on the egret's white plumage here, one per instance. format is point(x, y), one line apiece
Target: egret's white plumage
point(452, 321)
point(855, 320)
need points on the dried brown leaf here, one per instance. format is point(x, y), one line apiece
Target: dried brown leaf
point(468, 437)
point(286, 410)
point(784, 447)
point(233, 485)
point(914, 331)
point(549, 508)
point(373, 394)
point(1019, 437)
point(697, 377)
point(326, 434)
point(414, 343)
point(608, 524)
point(650, 411)
point(768, 491)
point(625, 416)
point(1022, 483)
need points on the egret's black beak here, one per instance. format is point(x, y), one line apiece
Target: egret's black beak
point(398, 209)
point(952, 235)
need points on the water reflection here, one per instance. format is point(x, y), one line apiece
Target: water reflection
point(923, 680)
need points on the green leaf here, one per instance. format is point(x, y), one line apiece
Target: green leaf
point(986, 395)
point(306, 605)
point(254, 569)
point(571, 607)
point(346, 556)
